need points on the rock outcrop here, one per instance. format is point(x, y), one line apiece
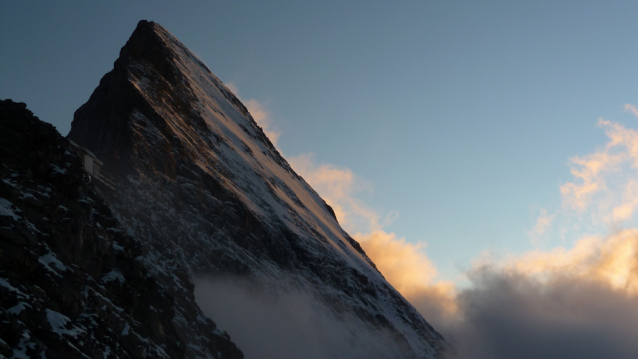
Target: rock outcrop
point(72, 283)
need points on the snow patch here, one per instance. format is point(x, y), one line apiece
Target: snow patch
point(113, 275)
point(18, 308)
point(20, 351)
point(56, 169)
point(5, 283)
point(8, 209)
point(51, 259)
point(59, 321)
point(10, 182)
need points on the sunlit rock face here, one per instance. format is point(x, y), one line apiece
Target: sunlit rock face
point(72, 284)
point(201, 185)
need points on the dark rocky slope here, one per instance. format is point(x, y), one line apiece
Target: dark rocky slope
point(73, 285)
point(201, 184)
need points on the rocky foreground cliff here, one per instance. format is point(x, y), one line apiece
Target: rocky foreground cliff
point(72, 284)
point(208, 195)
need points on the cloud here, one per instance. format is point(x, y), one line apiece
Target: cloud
point(512, 315)
point(338, 187)
point(564, 303)
point(404, 265)
point(605, 180)
point(578, 302)
point(610, 261)
point(560, 304)
point(543, 222)
point(408, 269)
point(287, 323)
point(632, 109)
point(262, 117)
point(259, 113)
point(233, 88)
point(400, 262)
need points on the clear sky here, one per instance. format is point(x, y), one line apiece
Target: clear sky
point(458, 116)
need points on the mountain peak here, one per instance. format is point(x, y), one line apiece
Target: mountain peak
point(154, 69)
point(147, 44)
point(201, 183)
point(152, 43)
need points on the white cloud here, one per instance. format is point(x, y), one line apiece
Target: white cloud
point(632, 109)
point(605, 182)
point(543, 223)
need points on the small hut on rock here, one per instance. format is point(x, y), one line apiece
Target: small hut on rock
point(93, 166)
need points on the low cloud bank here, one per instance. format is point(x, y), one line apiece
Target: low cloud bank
point(562, 304)
point(276, 324)
point(510, 315)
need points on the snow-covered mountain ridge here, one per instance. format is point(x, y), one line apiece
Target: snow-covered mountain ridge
point(199, 183)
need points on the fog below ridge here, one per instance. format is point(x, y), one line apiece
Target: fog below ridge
point(269, 324)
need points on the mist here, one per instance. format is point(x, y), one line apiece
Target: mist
point(286, 324)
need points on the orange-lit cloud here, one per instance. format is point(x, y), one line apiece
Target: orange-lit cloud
point(605, 184)
point(338, 187)
point(538, 304)
point(410, 271)
point(404, 265)
point(259, 113)
point(604, 180)
point(612, 261)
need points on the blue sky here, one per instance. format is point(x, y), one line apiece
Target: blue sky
point(460, 117)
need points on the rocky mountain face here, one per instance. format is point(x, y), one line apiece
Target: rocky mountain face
point(72, 284)
point(207, 194)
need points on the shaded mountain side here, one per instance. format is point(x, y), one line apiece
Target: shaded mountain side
point(200, 183)
point(72, 284)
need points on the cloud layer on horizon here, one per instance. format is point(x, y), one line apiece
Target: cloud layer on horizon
point(512, 315)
